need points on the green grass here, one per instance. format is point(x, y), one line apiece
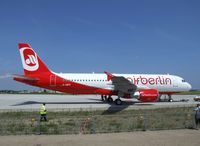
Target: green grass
point(195, 92)
point(87, 122)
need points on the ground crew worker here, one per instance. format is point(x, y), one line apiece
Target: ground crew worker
point(43, 112)
point(197, 116)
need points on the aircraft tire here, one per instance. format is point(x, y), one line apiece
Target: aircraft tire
point(118, 102)
point(110, 100)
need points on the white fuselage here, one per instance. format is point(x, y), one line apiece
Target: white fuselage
point(161, 82)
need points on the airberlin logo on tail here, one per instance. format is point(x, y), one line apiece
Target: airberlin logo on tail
point(29, 59)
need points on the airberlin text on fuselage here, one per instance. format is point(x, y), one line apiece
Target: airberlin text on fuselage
point(150, 81)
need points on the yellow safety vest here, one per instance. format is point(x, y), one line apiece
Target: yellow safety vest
point(43, 110)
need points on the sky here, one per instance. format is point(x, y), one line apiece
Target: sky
point(120, 36)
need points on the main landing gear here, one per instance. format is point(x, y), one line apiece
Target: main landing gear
point(170, 98)
point(118, 101)
point(165, 98)
point(109, 99)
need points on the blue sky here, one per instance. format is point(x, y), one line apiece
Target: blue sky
point(121, 36)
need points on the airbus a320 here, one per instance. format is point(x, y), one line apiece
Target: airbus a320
point(144, 87)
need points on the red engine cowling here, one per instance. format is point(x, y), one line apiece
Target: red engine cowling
point(148, 95)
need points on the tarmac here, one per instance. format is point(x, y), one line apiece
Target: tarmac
point(83, 102)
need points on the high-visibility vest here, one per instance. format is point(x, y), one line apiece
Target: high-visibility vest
point(43, 110)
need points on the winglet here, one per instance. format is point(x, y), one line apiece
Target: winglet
point(109, 75)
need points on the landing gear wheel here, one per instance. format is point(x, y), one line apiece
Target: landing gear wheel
point(170, 98)
point(118, 102)
point(110, 100)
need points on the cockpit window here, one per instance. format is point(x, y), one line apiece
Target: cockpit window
point(183, 80)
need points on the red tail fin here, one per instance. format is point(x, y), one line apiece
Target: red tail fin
point(32, 64)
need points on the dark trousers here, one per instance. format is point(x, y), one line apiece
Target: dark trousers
point(197, 122)
point(43, 117)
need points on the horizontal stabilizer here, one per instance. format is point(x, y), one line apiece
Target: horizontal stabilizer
point(22, 77)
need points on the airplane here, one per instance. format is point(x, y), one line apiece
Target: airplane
point(143, 87)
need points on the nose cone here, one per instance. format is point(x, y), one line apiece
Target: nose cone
point(189, 86)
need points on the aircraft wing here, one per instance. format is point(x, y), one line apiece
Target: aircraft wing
point(121, 83)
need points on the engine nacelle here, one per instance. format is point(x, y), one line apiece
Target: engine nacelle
point(147, 95)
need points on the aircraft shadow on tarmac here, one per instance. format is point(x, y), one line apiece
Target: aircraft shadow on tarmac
point(117, 108)
point(113, 108)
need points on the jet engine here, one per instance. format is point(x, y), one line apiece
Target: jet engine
point(146, 95)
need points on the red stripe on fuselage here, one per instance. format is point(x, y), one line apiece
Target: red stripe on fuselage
point(51, 81)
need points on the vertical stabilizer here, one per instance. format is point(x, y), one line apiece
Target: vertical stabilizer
point(31, 62)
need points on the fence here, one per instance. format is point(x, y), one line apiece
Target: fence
point(17, 123)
